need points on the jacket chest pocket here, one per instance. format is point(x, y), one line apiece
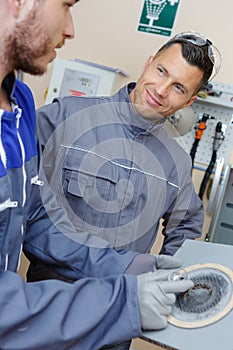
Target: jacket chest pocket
point(89, 198)
point(94, 192)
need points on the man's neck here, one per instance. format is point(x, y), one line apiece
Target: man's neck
point(6, 86)
point(4, 100)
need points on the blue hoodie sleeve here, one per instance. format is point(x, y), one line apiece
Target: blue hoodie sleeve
point(87, 314)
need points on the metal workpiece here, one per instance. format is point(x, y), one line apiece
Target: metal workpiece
point(211, 267)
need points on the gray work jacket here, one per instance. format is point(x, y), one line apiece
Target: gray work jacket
point(117, 174)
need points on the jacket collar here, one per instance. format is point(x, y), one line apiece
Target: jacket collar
point(9, 86)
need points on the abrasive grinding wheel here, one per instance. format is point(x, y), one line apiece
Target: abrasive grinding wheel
point(209, 300)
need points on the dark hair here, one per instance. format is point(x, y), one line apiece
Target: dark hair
point(196, 56)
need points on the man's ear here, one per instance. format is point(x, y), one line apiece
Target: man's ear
point(148, 61)
point(192, 99)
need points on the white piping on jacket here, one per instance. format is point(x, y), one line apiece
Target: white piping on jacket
point(121, 165)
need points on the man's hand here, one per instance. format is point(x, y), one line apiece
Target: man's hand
point(156, 294)
point(143, 263)
point(166, 262)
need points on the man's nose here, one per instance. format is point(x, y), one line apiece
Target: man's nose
point(69, 31)
point(163, 89)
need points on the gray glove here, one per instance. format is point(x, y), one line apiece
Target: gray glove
point(156, 294)
point(166, 262)
point(150, 262)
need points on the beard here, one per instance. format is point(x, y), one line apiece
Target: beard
point(30, 42)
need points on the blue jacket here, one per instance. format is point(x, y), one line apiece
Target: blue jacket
point(117, 174)
point(52, 314)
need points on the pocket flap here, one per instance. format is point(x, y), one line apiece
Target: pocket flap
point(91, 164)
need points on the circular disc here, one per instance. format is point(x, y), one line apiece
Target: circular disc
point(208, 301)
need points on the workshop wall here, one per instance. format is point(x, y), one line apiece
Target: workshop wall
point(106, 33)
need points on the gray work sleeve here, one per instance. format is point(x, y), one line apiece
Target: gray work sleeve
point(185, 217)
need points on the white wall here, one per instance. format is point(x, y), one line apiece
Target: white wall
point(106, 33)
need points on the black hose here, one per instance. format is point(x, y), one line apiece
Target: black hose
point(207, 175)
point(194, 150)
point(216, 143)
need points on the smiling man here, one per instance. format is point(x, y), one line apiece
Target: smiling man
point(116, 170)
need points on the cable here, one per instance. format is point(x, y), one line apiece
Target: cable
point(218, 137)
point(208, 172)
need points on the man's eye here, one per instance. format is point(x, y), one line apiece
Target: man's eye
point(69, 4)
point(160, 71)
point(179, 89)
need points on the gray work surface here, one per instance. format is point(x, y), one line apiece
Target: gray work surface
point(218, 335)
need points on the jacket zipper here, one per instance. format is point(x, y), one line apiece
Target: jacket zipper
point(24, 174)
point(2, 150)
point(18, 116)
point(8, 203)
